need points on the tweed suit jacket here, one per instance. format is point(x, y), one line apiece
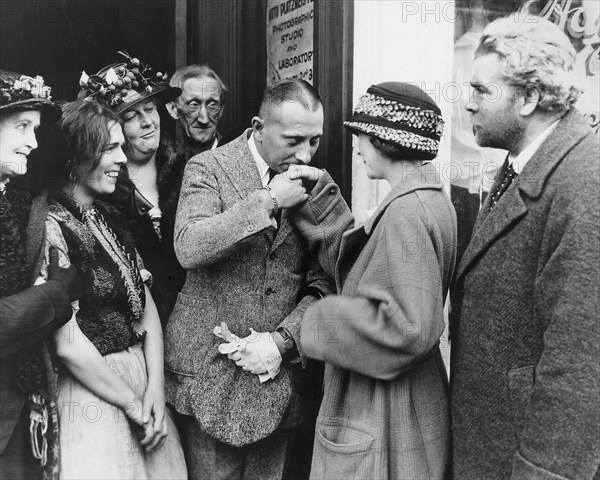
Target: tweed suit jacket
point(241, 271)
point(385, 412)
point(525, 354)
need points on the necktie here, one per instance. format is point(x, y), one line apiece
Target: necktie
point(507, 178)
point(277, 217)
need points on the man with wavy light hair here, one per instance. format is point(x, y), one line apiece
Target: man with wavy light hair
point(525, 350)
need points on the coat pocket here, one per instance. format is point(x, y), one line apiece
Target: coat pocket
point(343, 451)
point(189, 341)
point(520, 388)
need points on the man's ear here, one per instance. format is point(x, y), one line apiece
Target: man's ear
point(258, 124)
point(529, 102)
point(172, 109)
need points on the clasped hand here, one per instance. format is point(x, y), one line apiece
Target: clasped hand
point(288, 187)
point(257, 353)
point(149, 418)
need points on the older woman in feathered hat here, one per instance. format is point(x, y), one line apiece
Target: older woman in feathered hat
point(384, 412)
point(148, 188)
point(28, 313)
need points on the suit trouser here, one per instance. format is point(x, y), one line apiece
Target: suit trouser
point(209, 459)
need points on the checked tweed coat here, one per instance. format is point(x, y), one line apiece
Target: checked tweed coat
point(242, 272)
point(385, 412)
point(525, 371)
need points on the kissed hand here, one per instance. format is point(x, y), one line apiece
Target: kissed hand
point(288, 192)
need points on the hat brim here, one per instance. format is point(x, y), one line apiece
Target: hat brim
point(425, 148)
point(165, 94)
point(50, 111)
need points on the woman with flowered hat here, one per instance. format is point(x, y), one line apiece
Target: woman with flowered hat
point(137, 94)
point(28, 313)
point(384, 412)
point(113, 422)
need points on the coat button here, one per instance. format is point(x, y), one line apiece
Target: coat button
point(332, 191)
point(250, 228)
point(269, 291)
point(272, 256)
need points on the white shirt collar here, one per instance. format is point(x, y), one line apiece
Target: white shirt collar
point(263, 167)
point(522, 158)
point(215, 144)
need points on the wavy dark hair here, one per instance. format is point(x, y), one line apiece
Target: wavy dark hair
point(395, 152)
point(77, 141)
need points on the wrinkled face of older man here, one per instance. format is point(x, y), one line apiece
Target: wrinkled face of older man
point(199, 109)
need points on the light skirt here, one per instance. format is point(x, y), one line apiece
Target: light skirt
point(96, 439)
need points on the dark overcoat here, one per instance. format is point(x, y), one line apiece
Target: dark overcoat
point(525, 365)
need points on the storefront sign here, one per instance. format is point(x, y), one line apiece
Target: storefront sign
point(290, 39)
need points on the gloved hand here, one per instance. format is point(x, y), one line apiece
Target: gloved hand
point(68, 277)
point(260, 354)
point(257, 353)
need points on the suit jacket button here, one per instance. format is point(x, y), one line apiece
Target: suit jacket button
point(269, 291)
point(250, 228)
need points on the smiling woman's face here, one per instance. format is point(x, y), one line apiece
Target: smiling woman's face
point(17, 140)
point(103, 179)
point(142, 129)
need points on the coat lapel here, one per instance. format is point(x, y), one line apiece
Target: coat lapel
point(490, 225)
point(350, 239)
point(505, 213)
point(285, 228)
point(36, 231)
point(423, 177)
point(238, 164)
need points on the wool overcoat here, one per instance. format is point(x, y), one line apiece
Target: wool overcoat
point(385, 412)
point(244, 272)
point(525, 370)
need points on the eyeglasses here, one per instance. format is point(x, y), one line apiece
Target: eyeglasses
point(212, 107)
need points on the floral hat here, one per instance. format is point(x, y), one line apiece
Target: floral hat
point(402, 114)
point(121, 86)
point(23, 92)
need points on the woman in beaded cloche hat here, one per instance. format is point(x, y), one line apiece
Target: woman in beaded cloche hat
point(28, 313)
point(111, 352)
point(384, 412)
point(144, 192)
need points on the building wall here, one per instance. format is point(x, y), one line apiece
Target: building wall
point(59, 39)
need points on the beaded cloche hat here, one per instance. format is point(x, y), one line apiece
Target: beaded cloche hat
point(22, 92)
point(123, 85)
point(402, 114)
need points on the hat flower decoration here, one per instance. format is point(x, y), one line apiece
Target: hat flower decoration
point(21, 88)
point(122, 85)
